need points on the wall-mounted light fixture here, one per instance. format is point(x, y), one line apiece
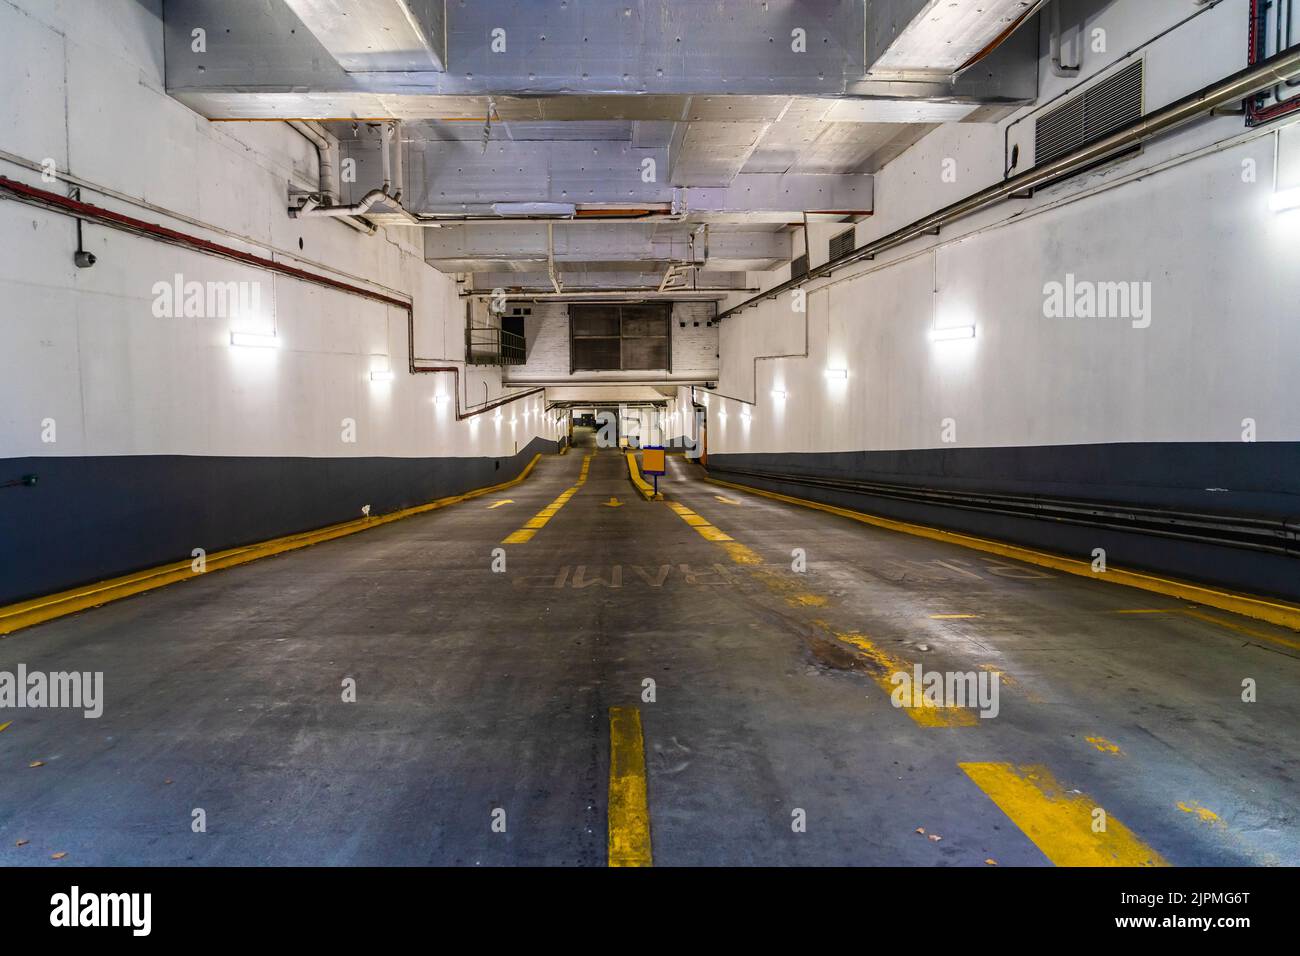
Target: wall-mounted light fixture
point(441, 399)
point(382, 375)
point(252, 340)
point(952, 333)
point(778, 394)
point(1285, 200)
point(837, 374)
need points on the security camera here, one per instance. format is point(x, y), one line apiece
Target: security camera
point(84, 260)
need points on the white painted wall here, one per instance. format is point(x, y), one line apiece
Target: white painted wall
point(83, 86)
point(1223, 344)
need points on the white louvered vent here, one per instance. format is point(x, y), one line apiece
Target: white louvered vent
point(842, 243)
point(1092, 114)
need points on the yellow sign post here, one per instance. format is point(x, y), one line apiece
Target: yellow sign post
point(653, 463)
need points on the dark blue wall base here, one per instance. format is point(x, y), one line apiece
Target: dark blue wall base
point(88, 519)
point(1261, 480)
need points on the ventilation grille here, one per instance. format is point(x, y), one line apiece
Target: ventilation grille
point(843, 243)
point(1091, 115)
point(799, 267)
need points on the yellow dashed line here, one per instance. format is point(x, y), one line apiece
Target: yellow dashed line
point(741, 554)
point(1105, 746)
point(794, 594)
point(538, 521)
point(1060, 823)
point(629, 811)
point(1204, 814)
point(952, 617)
point(886, 665)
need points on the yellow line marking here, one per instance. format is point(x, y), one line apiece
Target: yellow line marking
point(952, 617)
point(1058, 822)
point(1242, 629)
point(612, 503)
point(1274, 612)
point(498, 504)
point(5, 724)
point(741, 554)
point(14, 617)
point(1105, 746)
point(926, 715)
point(1149, 610)
point(886, 665)
point(538, 521)
point(738, 552)
point(726, 501)
point(629, 812)
point(1204, 814)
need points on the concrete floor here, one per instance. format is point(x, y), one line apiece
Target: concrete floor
point(479, 690)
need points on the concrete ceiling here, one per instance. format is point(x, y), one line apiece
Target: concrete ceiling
point(719, 124)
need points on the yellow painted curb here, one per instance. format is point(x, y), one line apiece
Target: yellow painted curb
point(39, 610)
point(640, 484)
point(1262, 609)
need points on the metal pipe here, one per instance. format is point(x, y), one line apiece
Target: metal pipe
point(327, 151)
point(1056, 42)
point(45, 199)
point(614, 295)
point(384, 134)
point(395, 129)
point(310, 208)
point(107, 217)
point(1234, 88)
point(454, 371)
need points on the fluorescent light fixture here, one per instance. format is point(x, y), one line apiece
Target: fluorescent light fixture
point(778, 394)
point(382, 375)
point(441, 399)
point(954, 332)
point(744, 413)
point(837, 373)
point(253, 340)
point(1285, 200)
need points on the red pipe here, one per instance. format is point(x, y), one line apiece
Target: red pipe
point(1258, 40)
point(35, 196)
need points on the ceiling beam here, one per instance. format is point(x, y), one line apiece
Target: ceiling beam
point(261, 61)
point(378, 36)
point(588, 281)
point(604, 242)
point(906, 37)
